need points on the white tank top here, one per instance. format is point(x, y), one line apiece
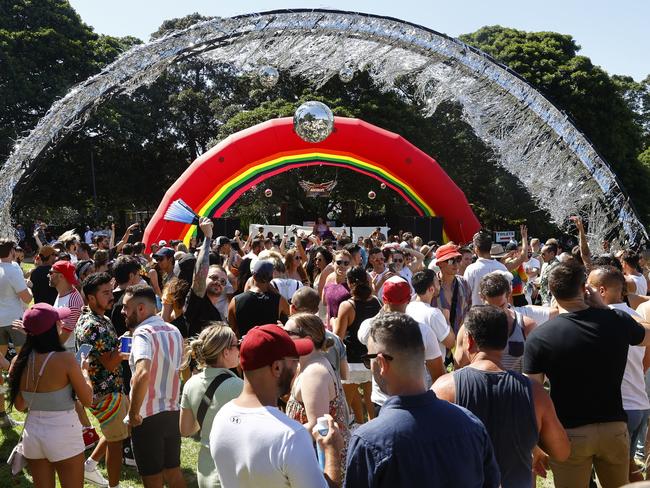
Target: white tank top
point(641, 284)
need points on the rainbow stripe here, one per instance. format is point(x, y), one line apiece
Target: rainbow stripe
point(226, 193)
point(107, 408)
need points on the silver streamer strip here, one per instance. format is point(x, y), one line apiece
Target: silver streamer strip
point(532, 139)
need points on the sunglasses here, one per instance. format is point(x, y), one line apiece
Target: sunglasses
point(342, 263)
point(453, 261)
point(298, 258)
point(398, 260)
point(365, 358)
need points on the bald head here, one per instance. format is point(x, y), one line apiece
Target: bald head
point(609, 282)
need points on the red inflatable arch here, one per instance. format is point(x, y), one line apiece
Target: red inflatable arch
point(213, 182)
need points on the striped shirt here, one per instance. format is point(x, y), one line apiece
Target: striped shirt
point(162, 344)
point(75, 303)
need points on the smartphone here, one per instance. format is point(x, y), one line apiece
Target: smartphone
point(83, 352)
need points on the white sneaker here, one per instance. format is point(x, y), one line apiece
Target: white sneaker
point(95, 477)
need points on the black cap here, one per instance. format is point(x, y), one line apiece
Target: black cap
point(164, 252)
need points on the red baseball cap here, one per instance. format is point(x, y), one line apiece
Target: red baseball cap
point(68, 270)
point(397, 291)
point(267, 343)
point(448, 251)
point(41, 317)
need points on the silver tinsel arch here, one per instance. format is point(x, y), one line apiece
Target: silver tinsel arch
point(533, 139)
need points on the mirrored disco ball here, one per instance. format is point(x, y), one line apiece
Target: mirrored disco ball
point(268, 193)
point(313, 121)
point(268, 76)
point(371, 195)
point(346, 74)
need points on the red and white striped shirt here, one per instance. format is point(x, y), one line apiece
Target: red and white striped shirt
point(162, 344)
point(75, 302)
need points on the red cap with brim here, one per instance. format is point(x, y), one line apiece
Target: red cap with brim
point(264, 344)
point(448, 251)
point(42, 317)
point(68, 270)
point(397, 291)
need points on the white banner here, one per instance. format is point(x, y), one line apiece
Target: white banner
point(279, 229)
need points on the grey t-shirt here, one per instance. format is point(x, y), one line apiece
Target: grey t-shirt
point(12, 282)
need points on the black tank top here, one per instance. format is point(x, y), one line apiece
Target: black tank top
point(254, 308)
point(362, 310)
point(503, 401)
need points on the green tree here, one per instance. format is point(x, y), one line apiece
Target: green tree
point(44, 49)
point(550, 62)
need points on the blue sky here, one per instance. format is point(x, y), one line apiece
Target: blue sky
point(614, 34)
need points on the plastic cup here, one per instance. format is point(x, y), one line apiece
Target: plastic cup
point(125, 344)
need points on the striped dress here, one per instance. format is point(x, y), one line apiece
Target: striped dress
point(162, 344)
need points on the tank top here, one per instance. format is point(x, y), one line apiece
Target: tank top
point(362, 310)
point(513, 354)
point(503, 401)
point(335, 294)
point(49, 401)
point(641, 284)
point(254, 308)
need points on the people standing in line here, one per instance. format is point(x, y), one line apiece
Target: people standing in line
point(110, 404)
point(485, 263)
point(216, 351)
point(586, 341)
point(417, 439)
point(352, 312)
point(255, 445)
point(517, 412)
point(43, 381)
point(14, 295)
point(155, 360)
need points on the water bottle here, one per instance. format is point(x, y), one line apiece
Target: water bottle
point(323, 428)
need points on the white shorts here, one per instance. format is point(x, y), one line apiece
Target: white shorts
point(54, 436)
point(357, 374)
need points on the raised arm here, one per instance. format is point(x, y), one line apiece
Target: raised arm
point(523, 255)
point(203, 260)
point(125, 237)
point(111, 241)
point(585, 253)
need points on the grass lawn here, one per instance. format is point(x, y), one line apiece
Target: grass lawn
point(129, 478)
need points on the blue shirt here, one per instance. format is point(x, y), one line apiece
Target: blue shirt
point(421, 440)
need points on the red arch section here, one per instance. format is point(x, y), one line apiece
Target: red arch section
point(213, 182)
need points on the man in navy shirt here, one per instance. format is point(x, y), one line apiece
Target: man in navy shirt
point(417, 439)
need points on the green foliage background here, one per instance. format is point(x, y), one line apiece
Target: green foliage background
point(146, 140)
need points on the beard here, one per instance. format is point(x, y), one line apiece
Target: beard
point(285, 381)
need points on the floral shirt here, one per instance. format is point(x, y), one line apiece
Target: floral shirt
point(98, 331)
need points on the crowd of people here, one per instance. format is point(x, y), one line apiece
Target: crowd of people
point(310, 359)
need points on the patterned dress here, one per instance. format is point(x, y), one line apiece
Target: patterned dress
point(337, 409)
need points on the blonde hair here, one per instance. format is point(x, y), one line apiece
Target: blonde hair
point(310, 325)
point(209, 344)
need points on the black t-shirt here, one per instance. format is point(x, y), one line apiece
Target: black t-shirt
point(256, 308)
point(584, 354)
point(198, 312)
point(119, 323)
point(43, 292)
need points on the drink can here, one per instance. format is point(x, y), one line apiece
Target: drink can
point(125, 343)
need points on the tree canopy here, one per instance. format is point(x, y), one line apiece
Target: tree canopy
point(145, 140)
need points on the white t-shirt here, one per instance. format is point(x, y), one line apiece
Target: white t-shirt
point(478, 270)
point(633, 384)
point(532, 263)
point(12, 282)
point(262, 447)
point(641, 284)
point(286, 287)
point(431, 351)
point(538, 313)
point(432, 317)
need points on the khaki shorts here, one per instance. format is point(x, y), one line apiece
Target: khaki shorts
point(110, 410)
point(8, 334)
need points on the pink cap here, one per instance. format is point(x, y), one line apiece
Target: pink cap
point(41, 317)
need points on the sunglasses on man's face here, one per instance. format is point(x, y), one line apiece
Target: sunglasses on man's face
point(365, 359)
point(398, 260)
point(343, 263)
point(453, 261)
